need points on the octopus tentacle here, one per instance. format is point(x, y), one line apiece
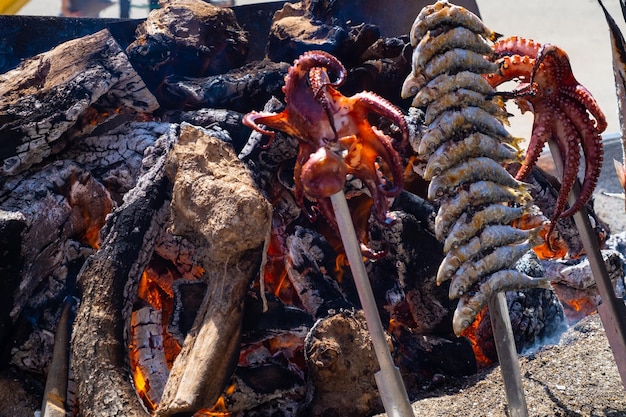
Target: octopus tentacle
point(566, 135)
point(511, 67)
point(383, 146)
point(373, 102)
point(515, 45)
point(319, 80)
point(591, 143)
point(582, 95)
point(313, 59)
point(541, 133)
point(254, 119)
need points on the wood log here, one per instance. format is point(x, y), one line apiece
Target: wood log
point(190, 38)
point(109, 282)
point(217, 207)
point(241, 89)
point(74, 87)
point(43, 214)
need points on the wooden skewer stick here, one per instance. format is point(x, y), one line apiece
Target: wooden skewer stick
point(388, 379)
point(507, 355)
point(612, 309)
point(55, 392)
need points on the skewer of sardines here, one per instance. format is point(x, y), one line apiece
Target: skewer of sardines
point(465, 147)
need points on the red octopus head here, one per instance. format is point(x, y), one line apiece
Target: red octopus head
point(324, 174)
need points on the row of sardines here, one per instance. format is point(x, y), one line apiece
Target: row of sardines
point(465, 148)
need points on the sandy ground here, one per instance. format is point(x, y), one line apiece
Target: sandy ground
point(576, 378)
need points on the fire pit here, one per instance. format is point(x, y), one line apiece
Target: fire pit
point(130, 185)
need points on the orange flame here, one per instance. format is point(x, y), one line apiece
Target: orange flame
point(581, 304)
point(219, 409)
point(340, 261)
point(482, 361)
point(142, 386)
point(553, 247)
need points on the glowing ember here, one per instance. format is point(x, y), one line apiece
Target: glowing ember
point(482, 361)
point(576, 309)
point(91, 203)
point(556, 248)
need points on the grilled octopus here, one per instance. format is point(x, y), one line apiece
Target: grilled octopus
point(335, 138)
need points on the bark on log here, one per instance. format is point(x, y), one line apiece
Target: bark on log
point(109, 282)
point(48, 94)
point(217, 207)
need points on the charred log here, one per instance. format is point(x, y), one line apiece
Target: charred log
point(63, 93)
point(189, 38)
point(425, 361)
point(406, 276)
point(228, 120)
point(270, 378)
point(310, 267)
point(241, 89)
point(12, 225)
point(48, 214)
point(114, 152)
point(100, 336)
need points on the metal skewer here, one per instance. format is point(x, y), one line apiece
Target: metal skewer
point(388, 379)
point(612, 309)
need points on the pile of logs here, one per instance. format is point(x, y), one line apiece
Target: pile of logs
point(120, 162)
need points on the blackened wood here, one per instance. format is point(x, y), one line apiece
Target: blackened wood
point(109, 282)
point(190, 38)
point(113, 153)
point(242, 89)
point(228, 120)
point(72, 87)
point(310, 263)
point(12, 225)
point(51, 207)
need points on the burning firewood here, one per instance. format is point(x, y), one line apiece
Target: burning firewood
point(212, 42)
point(217, 207)
point(63, 93)
point(109, 281)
